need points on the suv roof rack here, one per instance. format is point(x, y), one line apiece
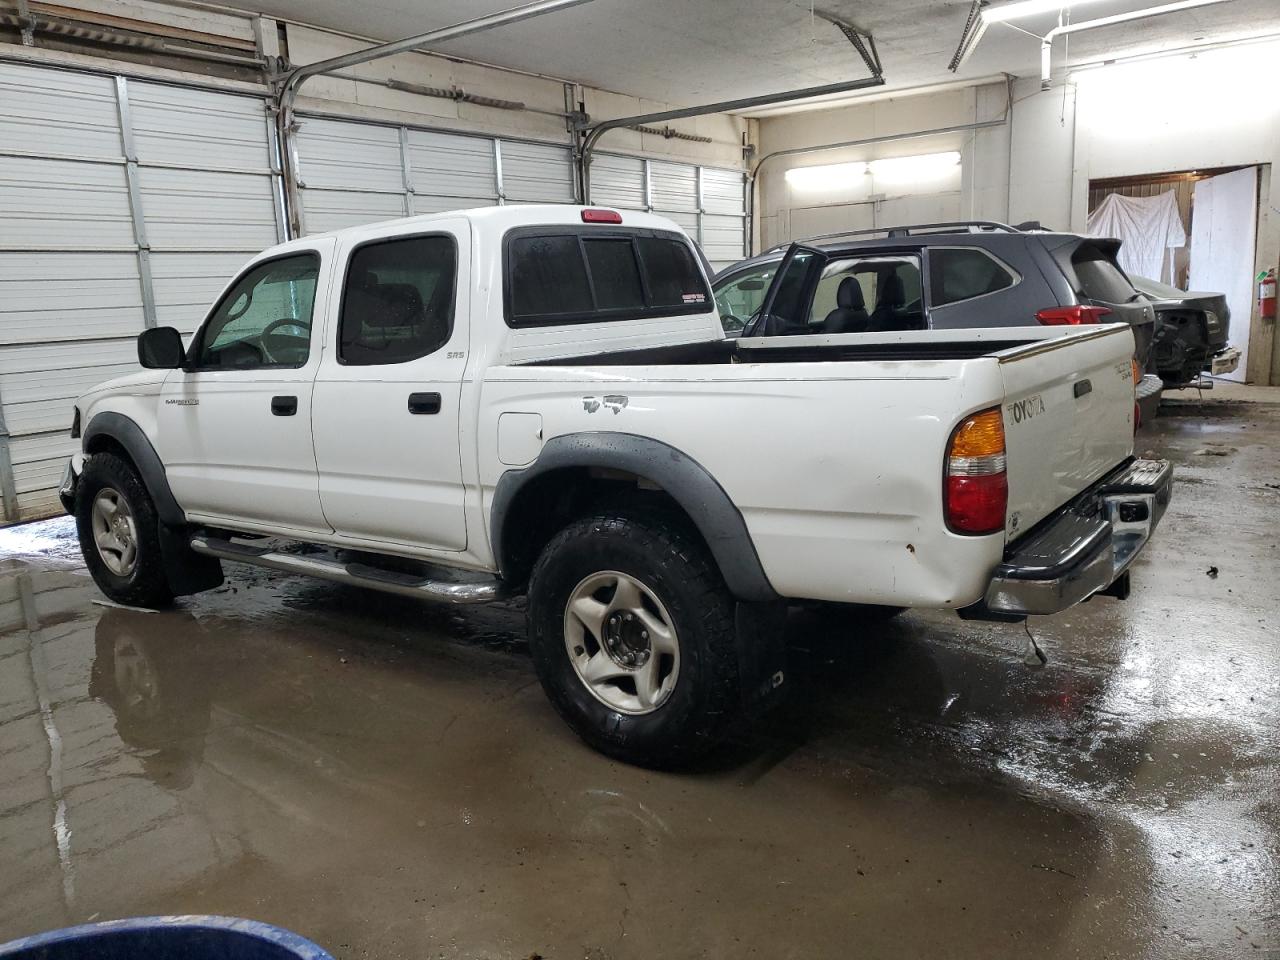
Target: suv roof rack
point(907, 230)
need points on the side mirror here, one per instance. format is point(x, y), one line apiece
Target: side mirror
point(161, 349)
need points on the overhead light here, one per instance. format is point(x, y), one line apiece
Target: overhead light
point(830, 176)
point(922, 167)
point(1028, 8)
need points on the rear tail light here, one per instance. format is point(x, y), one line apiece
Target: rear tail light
point(593, 215)
point(1071, 316)
point(976, 490)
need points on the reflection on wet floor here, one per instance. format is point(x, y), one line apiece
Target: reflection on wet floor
point(385, 776)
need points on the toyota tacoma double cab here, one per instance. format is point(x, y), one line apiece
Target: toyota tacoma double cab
point(540, 400)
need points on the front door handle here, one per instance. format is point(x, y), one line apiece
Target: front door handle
point(284, 406)
point(424, 403)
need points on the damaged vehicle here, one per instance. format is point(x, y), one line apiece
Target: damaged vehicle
point(952, 276)
point(1192, 330)
point(540, 400)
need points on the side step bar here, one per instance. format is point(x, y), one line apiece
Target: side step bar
point(352, 574)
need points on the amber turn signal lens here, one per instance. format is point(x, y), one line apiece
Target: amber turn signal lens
point(980, 435)
point(1137, 372)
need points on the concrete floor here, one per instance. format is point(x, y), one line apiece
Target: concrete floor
point(387, 779)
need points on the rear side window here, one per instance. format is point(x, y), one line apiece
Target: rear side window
point(962, 273)
point(1097, 276)
point(397, 304)
point(567, 275)
point(674, 279)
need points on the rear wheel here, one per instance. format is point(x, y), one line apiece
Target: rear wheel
point(632, 632)
point(119, 533)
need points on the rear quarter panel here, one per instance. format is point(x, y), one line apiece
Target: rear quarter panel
point(835, 467)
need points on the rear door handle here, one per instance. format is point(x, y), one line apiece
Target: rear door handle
point(424, 403)
point(284, 406)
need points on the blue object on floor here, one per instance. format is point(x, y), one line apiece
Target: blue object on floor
point(166, 938)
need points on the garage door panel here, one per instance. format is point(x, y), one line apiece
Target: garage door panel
point(186, 285)
point(63, 203)
point(722, 238)
point(334, 210)
point(425, 204)
point(443, 164)
point(186, 208)
point(334, 155)
point(58, 112)
point(539, 172)
point(68, 296)
point(39, 417)
point(674, 186)
point(723, 191)
point(187, 127)
point(617, 181)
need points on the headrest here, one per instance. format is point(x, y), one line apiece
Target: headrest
point(849, 295)
point(892, 293)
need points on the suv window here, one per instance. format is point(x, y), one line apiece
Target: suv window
point(739, 298)
point(265, 318)
point(397, 304)
point(887, 298)
point(568, 275)
point(962, 273)
point(1098, 277)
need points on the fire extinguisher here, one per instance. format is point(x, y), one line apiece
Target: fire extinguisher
point(1267, 295)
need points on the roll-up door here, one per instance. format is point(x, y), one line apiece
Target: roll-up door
point(122, 203)
point(353, 172)
point(709, 203)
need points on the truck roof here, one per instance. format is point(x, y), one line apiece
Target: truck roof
point(492, 219)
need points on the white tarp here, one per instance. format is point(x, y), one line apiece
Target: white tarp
point(1223, 233)
point(1147, 226)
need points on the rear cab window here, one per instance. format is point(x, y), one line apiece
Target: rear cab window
point(556, 275)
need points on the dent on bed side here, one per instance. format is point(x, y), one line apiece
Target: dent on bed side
point(679, 475)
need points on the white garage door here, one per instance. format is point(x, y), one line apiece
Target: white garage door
point(354, 173)
point(123, 204)
point(708, 202)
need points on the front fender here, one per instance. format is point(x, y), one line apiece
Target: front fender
point(131, 436)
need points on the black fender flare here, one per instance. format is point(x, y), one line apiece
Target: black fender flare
point(129, 435)
point(697, 492)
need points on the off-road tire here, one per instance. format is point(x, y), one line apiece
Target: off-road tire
point(706, 702)
point(146, 585)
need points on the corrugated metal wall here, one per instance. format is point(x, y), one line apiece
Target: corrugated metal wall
point(127, 203)
point(123, 204)
point(354, 173)
point(708, 202)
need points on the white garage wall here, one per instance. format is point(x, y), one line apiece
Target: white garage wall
point(974, 190)
point(1217, 108)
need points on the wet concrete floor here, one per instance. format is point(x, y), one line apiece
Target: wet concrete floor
point(386, 778)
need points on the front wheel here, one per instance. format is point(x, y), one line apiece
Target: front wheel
point(120, 533)
point(632, 632)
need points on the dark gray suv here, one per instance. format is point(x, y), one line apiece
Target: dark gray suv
point(934, 276)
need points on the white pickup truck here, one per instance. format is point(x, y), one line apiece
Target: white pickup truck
point(540, 400)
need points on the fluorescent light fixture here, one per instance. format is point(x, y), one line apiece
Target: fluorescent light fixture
point(1028, 8)
point(830, 176)
point(922, 167)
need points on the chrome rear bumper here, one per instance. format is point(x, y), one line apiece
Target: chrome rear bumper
point(1083, 549)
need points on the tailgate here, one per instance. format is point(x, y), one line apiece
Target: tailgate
point(1068, 418)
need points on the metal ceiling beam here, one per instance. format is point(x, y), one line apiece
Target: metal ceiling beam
point(1046, 43)
point(293, 80)
point(724, 106)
